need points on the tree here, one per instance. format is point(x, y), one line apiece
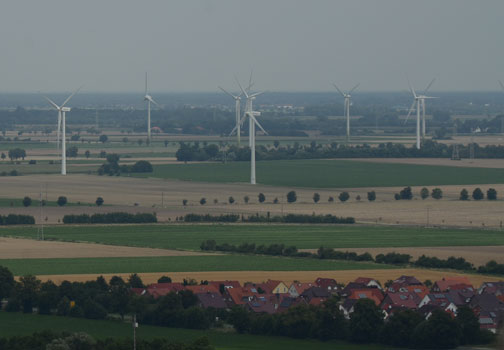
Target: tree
point(184, 202)
point(330, 199)
point(103, 138)
point(491, 194)
point(142, 166)
point(99, 201)
point(261, 197)
point(371, 196)
point(134, 281)
point(231, 200)
point(240, 319)
point(62, 200)
point(406, 193)
point(437, 193)
point(291, 197)
point(202, 201)
point(246, 199)
point(464, 195)
point(6, 282)
point(164, 279)
point(27, 201)
point(469, 325)
point(399, 328)
point(316, 197)
point(275, 201)
point(72, 152)
point(424, 193)
point(3, 156)
point(344, 196)
point(276, 143)
point(440, 331)
point(478, 194)
point(27, 292)
point(365, 322)
point(87, 154)
point(17, 153)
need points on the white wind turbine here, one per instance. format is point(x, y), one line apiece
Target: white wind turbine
point(149, 99)
point(347, 96)
point(502, 85)
point(62, 127)
point(251, 114)
point(419, 100)
point(237, 127)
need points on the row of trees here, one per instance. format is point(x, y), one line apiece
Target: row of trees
point(61, 201)
point(17, 219)
point(111, 166)
point(477, 194)
point(110, 218)
point(289, 218)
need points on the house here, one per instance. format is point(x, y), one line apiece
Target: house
point(489, 309)
point(403, 300)
point(350, 287)
point(403, 283)
point(274, 287)
point(348, 307)
point(288, 302)
point(369, 282)
point(203, 288)
point(327, 283)
point(222, 285)
point(318, 293)
point(215, 300)
point(441, 301)
point(496, 288)
point(447, 283)
point(238, 296)
point(260, 306)
point(296, 289)
point(367, 293)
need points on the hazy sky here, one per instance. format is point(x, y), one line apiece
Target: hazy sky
point(292, 45)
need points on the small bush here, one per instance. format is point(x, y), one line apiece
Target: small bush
point(492, 194)
point(478, 194)
point(291, 197)
point(62, 200)
point(27, 201)
point(464, 195)
point(437, 193)
point(371, 196)
point(99, 201)
point(344, 196)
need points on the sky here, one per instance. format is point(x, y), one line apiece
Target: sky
point(291, 45)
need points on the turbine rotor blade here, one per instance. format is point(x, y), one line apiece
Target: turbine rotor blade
point(428, 86)
point(502, 85)
point(250, 81)
point(152, 100)
point(146, 83)
point(241, 88)
point(69, 97)
point(233, 96)
point(337, 88)
point(412, 89)
point(355, 87)
point(258, 93)
point(409, 113)
point(259, 125)
point(51, 102)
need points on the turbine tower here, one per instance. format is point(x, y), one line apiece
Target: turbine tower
point(419, 100)
point(62, 126)
point(149, 99)
point(347, 96)
point(251, 114)
point(237, 127)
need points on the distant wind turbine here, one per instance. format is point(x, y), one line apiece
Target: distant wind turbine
point(419, 100)
point(149, 99)
point(347, 96)
point(237, 127)
point(62, 127)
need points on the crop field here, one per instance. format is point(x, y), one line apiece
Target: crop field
point(226, 262)
point(190, 236)
point(330, 173)
point(14, 324)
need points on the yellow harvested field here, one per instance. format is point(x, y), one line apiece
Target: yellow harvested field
point(285, 276)
point(14, 248)
point(147, 195)
point(478, 255)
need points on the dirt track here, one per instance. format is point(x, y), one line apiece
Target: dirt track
point(13, 248)
point(477, 255)
point(286, 276)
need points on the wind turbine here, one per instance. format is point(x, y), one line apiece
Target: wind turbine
point(502, 85)
point(149, 99)
point(251, 114)
point(347, 96)
point(62, 126)
point(419, 100)
point(237, 99)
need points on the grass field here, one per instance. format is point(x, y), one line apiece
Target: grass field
point(177, 264)
point(23, 324)
point(330, 174)
point(187, 236)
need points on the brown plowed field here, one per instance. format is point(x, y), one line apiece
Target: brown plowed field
point(286, 276)
point(13, 248)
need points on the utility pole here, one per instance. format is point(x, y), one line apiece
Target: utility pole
point(135, 326)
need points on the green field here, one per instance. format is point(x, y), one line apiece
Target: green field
point(330, 174)
point(177, 264)
point(189, 236)
point(24, 324)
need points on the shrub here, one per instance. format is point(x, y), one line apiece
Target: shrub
point(291, 197)
point(464, 195)
point(316, 197)
point(202, 201)
point(424, 193)
point(142, 166)
point(110, 218)
point(330, 199)
point(275, 201)
point(27, 201)
point(478, 194)
point(246, 199)
point(261, 197)
point(99, 201)
point(437, 193)
point(344, 196)
point(62, 200)
point(14, 219)
point(371, 196)
point(406, 193)
point(491, 194)
point(231, 200)
point(397, 196)
point(184, 202)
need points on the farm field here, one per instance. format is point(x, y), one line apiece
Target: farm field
point(190, 236)
point(330, 173)
point(226, 262)
point(14, 324)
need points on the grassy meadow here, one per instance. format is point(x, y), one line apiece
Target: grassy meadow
point(190, 236)
point(15, 324)
point(329, 174)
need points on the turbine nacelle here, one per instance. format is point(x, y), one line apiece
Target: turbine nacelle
point(65, 109)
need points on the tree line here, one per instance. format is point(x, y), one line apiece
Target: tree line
point(110, 218)
point(289, 218)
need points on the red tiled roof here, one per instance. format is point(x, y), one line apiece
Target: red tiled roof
point(203, 288)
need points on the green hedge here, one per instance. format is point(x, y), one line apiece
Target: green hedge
point(111, 218)
point(14, 219)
